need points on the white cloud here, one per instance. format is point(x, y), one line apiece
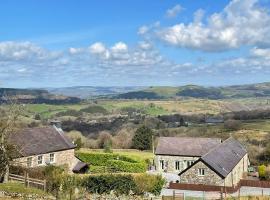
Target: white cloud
point(97, 48)
point(75, 50)
point(24, 51)
point(173, 12)
point(143, 30)
point(120, 47)
point(145, 45)
point(257, 52)
point(242, 22)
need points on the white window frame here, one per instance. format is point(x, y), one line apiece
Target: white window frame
point(29, 162)
point(38, 160)
point(52, 161)
point(201, 172)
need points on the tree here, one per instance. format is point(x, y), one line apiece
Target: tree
point(142, 139)
point(233, 125)
point(78, 143)
point(8, 119)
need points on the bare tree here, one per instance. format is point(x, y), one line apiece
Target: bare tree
point(8, 123)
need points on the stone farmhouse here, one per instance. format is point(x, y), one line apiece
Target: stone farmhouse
point(207, 161)
point(46, 146)
point(225, 165)
point(174, 154)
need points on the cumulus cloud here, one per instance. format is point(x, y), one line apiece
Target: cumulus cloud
point(173, 12)
point(242, 22)
point(23, 51)
point(143, 30)
point(120, 47)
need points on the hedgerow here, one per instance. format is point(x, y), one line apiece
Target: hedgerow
point(124, 184)
point(112, 163)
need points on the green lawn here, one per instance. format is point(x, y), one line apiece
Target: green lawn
point(132, 153)
point(20, 188)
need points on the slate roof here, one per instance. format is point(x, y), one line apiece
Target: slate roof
point(79, 166)
point(223, 158)
point(185, 146)
point(41, 140)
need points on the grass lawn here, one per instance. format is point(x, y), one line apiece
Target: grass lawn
point(20, 188)
point(132, 153)
point(260, 125)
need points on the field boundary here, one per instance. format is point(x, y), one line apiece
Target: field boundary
point(28, 182)
point(213, 188)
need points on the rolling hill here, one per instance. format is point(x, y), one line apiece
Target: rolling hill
point(195, 91)
point(34, 96)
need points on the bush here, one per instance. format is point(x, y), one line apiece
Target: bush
point(124, 184)
point(148, 183)
point(233, 125)
point(262, 171)
point(120, 184)
point(123, 166)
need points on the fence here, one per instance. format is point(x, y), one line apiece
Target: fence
point(212, 188)
point(28, 182)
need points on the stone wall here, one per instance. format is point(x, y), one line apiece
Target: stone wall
point(210, 178)
point(65, 157)
point(191, 176)
point(169, 162)
point(17, 195)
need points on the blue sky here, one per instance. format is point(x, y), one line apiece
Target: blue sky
point(121, 43)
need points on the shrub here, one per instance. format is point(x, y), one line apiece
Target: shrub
point(120, 184)
point(262, 171)
point(124, 184)
point(233, 125)
point(123, 166)
point(149, 183)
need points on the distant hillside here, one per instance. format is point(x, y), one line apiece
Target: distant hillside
point(90, 91)
point(34, 96)
point(195, 91)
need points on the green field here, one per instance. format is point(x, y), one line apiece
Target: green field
point(20, 188)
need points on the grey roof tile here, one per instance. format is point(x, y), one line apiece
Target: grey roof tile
point(41, 140)
point(185, 146)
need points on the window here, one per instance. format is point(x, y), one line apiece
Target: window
point(161, 164)
point(190, 162)
point(201, 171)
point(51, 157)
point(29, 162)
point(177, 165)
point(40, 160)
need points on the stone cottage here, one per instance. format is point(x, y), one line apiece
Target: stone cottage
point(174, 154)
point(224, 165)
point(45, 146)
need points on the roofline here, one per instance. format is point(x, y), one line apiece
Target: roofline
point(200, 160)
point(177, 155)
point(48, 152)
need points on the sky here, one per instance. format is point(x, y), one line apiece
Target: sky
point(64, 43)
